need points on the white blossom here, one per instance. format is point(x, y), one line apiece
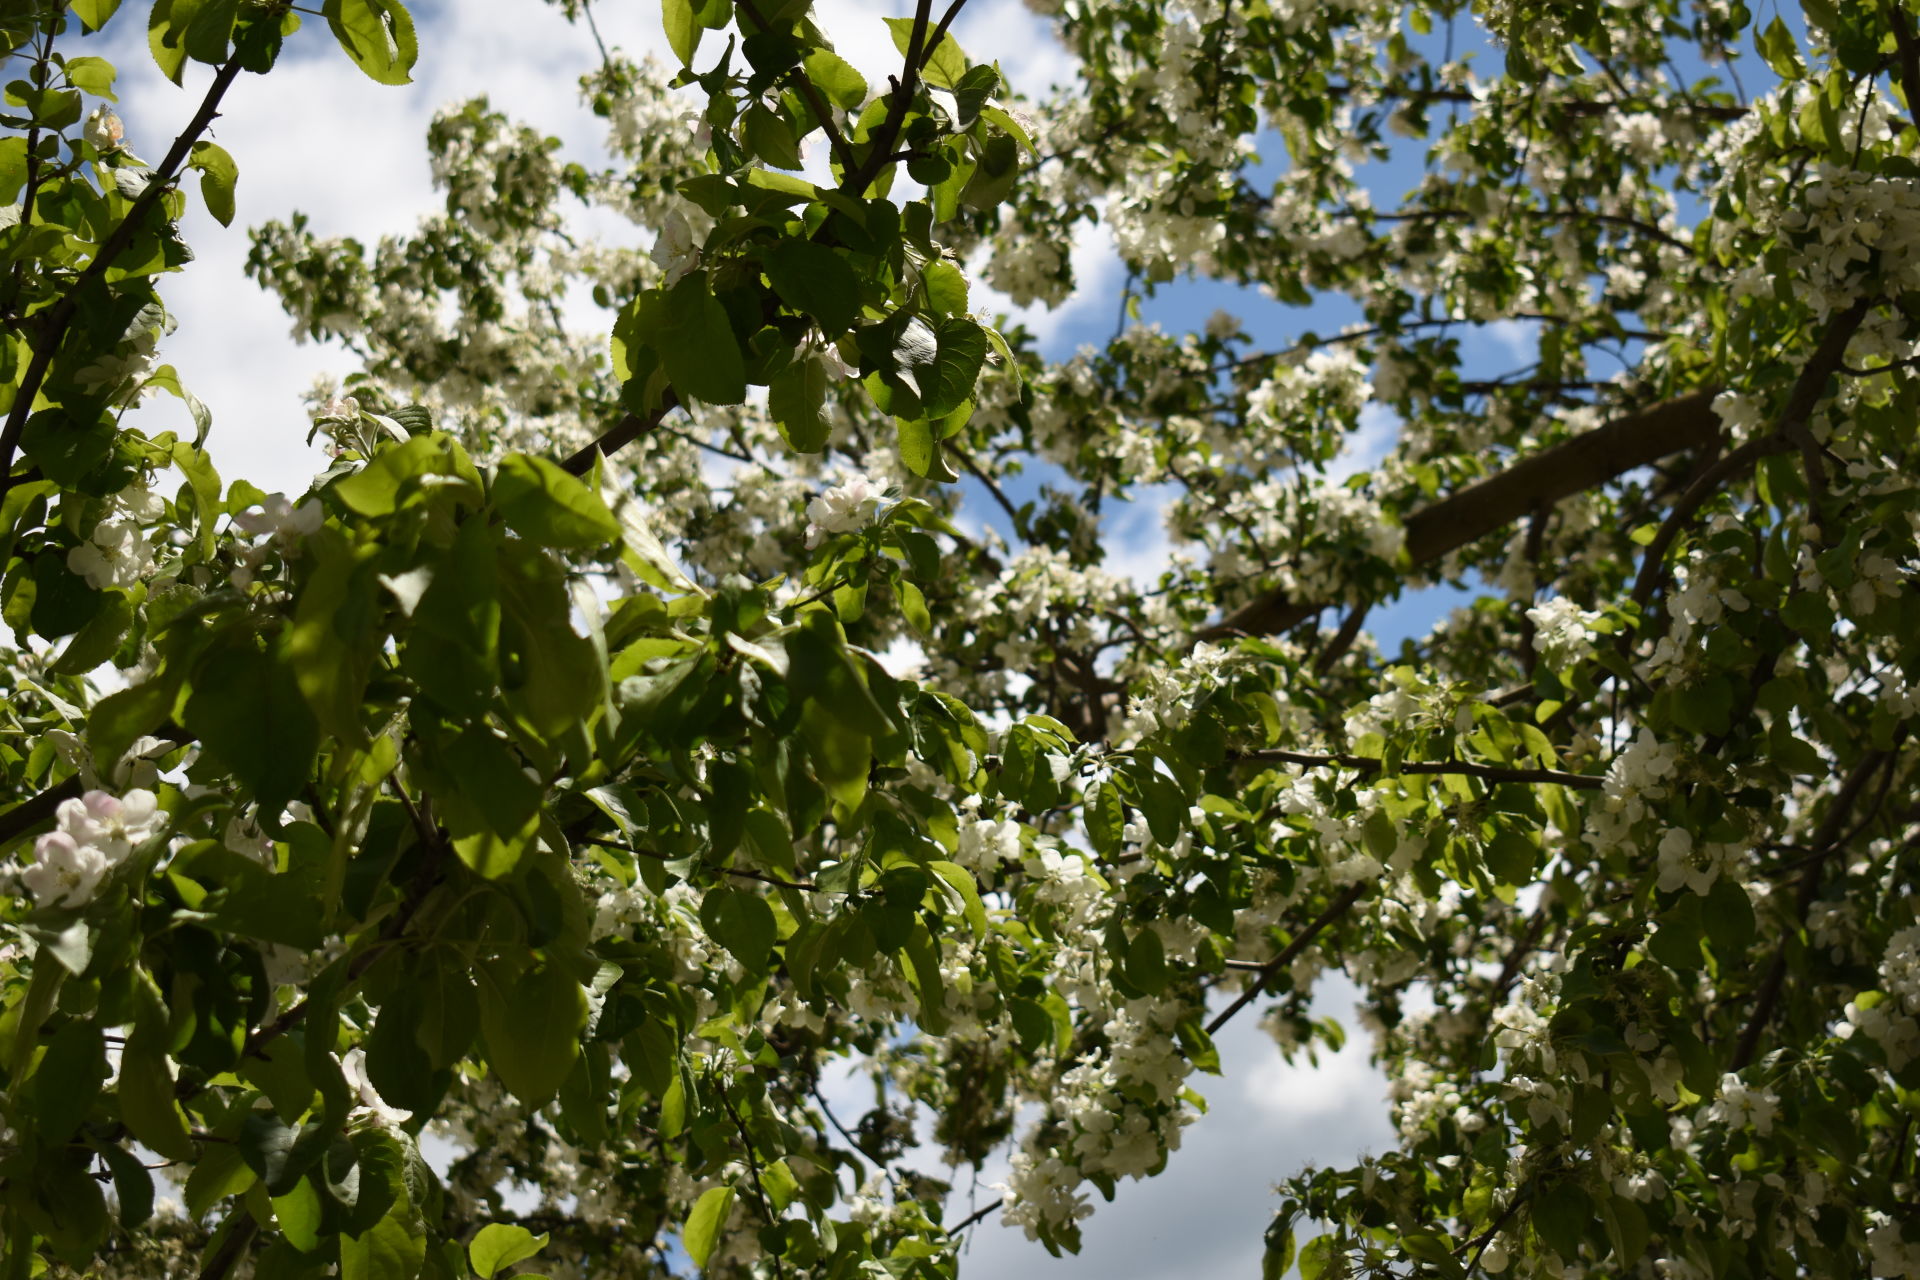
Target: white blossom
point(846, 508)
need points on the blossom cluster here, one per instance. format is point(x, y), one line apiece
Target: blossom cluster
point(94, 833)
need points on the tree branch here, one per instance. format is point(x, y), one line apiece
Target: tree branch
point(808, 90)
point(940, 32)
point(1909, 51)
point(1471, 769)
point(1542, 479)
point(58, 317)
point(992, 486)
point(241, 1229)
point(1826, 840)
point(978, 1215)
point(620, 435)
point(737, 872)
point(858, 180)
point(1335, 909)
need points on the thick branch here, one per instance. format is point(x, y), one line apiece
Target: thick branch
point(858, 180)
point(1584, 462)
point(620, 435)
point(241, 1230)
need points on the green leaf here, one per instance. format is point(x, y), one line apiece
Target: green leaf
point(501, 1244)
point(1147, 962)
point(1278, 1258)
point(209, 32)
point(98, 640)
point(91, 75)
point(961, 881)
point(394, 1248)
point(1317, 1259)
point(771, 138)
point(68, 1079)
point(703, 1227)
point(835, 77)
point(1560, 1216)
point(247, 709)
point(816, 281)
point(1105, 819)
point(377, 35)
point(94, 13)
point(545, 504)
point(1729, 917)
point(169, 51)
point(218, 174)
point(145, 1093)
point(689, 329)
point(298, 1215)
point(797, 399)
point(683, 33)
point(1512, 858)
point(920, 451)
point(449, 1012)
point(946, 287)
point(1777, 45)
point(497, 809)
point(532, 1030)
point(743, 923)
point(947, 382)
point(330, 645)
point(1630, 1231)
point(377, 489)
point(453, 649)
point(132, 1183)
point(946, 64)
point(121, 717)
point(271, 1147)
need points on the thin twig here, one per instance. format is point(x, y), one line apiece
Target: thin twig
point(978, 1215)
point(61, 315)
point(809, 91)
point(1826, 841)
point(737, 872)
point(1471, 769)
point(753, 1172)
point(1335, 909)
point(992, 486)
point(940, 32)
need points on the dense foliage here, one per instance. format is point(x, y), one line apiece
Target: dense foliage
point(534, 782)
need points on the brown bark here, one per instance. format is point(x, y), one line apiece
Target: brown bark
point(1539, 480)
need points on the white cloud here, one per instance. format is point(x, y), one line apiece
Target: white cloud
point(317, 136)
point(1513, 339)
point(1379, 428)
point(1205, 1215)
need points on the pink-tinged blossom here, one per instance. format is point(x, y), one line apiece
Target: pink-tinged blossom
point(93, 835)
